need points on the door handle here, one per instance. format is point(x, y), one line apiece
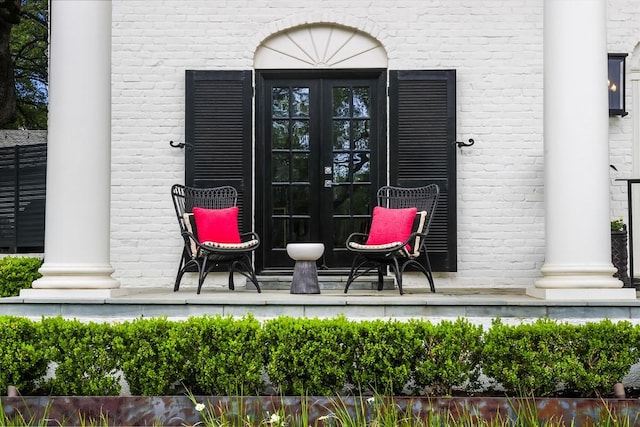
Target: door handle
point(328, 172)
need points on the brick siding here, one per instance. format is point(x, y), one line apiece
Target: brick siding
point(496, 47)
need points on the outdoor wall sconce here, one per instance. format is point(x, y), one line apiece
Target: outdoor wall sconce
point(616, 85)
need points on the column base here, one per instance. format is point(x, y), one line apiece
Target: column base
point(58, 276)
point(571, 276)
point(583, 294)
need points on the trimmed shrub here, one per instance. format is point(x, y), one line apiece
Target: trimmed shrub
point(153, 355)
point(17, 273)
point(308, 356)
point(606, 352)
point(532, 358)
point(448, 356)
point(301, 356)
point(383, 355)
point(83, 356)
point(225, 355)
point(546, 358)
point(23, 362)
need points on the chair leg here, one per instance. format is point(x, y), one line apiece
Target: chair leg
point(202, 274)
point(176, 286)
point(245, 268)
point(380, 277)
point(353, 273)
point(430, 274)
point(398, 272)
point(232, 285)
point(425, 271)
point(251, 272)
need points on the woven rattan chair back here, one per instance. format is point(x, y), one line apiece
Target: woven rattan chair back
point(205, 257)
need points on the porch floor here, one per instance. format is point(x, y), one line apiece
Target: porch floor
point(363, 301)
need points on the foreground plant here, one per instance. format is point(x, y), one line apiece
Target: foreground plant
point(356, 411)
point(18, 419)
point(227, 415)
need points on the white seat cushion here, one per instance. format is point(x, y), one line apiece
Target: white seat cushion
point(244, 245)
point(374, 247)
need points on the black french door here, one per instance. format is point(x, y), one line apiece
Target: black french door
point(320, 159)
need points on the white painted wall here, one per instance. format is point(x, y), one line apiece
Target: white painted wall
point(495, 46)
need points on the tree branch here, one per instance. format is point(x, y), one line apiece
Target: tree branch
point(10, 11)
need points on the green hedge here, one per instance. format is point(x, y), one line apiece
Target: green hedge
point(296, 356)
point(83, 356)
point(22, 354)
point(545, 358)
point(308, 355)
point(152, 354)
point(17, 273)
point(206, 355)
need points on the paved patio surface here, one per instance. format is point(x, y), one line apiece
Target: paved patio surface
point(479, 304)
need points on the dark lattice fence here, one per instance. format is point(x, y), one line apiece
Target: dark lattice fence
point(22, 198)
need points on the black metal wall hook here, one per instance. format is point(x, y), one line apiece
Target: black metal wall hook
point(186, 145)
point(465, 144)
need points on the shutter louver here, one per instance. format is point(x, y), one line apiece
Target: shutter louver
point(422, 149)
point(23, 170)
point(218, 133)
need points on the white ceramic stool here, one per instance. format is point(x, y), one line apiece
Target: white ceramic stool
point(305, 274)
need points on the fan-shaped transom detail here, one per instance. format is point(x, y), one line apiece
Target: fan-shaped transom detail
point(320, 46)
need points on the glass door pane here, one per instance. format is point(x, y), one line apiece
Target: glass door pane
point(290, 165)
point(350, 157)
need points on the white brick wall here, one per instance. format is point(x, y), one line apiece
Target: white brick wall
point(495, 46)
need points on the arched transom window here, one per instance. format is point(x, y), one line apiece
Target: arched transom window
point(320, 46)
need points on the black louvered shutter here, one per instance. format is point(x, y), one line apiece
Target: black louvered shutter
point(422, 115)
point(23, 171)
point(218, 133)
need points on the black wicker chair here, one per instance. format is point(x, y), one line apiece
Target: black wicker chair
point(397, 254)
point(205, 256)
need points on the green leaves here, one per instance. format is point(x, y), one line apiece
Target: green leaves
point(301, 356)
point(546, 357)
point(329, 356)
point(383, 355)
point(83, 356)
point(22, 354)
point(28, 46)
point(17, 273)
point(153, 354)
point(449, 356)
point(308, 355)
point(207, 355)
point(225, 355)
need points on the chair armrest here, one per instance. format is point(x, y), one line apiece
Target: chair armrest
point(413, 236)
point(360, 238)
point(191, 242)
point(245, 237)
point(189, 235)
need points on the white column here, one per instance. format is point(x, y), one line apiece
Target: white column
point(77, 226)
point(576, 153)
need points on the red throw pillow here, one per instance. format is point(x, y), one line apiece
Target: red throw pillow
point(217, 225)
point(391, 225)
